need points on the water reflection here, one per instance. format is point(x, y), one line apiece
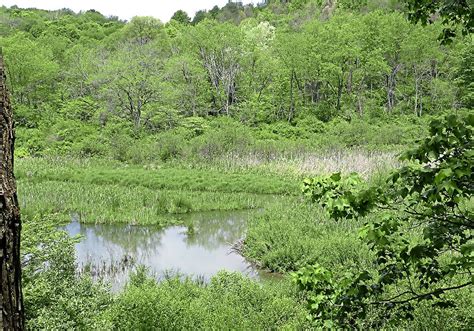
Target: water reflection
point(212, 230)
point(201, 248)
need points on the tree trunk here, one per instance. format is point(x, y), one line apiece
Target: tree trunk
point(11, 300)
point(292, 99)
point(391, 86)
point(340, 86)
point(416, 96)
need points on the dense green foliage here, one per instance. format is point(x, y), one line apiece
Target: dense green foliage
point(351, 73)
point(287, 237)
point(421, 237)
point(229, 300)
point(55, 298)
point(453, 13)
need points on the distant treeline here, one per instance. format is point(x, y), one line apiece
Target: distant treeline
point(275, 62)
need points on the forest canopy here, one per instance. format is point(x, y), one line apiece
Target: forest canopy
point(303, 62)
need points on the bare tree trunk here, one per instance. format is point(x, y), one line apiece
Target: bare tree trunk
point(292, 99)
point(11, 299)
point(340, 86)
point(390, 86)
point(416, 97)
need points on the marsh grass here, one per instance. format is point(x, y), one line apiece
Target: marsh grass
point(153, 177)
point(298, 164)
point(106, 203)
point(228, 301)
point(256, 172)
point(104, 270)
point(289, 236)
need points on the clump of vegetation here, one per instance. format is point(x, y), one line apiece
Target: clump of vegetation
point(229, 299)
point(287, 237)
point(55, 298)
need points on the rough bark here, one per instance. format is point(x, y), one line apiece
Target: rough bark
point(11, 300)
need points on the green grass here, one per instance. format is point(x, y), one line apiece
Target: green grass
point(104, 191)
point(289, 236)
point(125, 204)
point(152, 177)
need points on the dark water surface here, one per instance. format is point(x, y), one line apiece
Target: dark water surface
point(199, 249)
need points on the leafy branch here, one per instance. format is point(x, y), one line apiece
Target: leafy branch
point(421, 233)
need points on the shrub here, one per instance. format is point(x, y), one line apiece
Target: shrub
point(225, 135)
point(54, 297)
point(230, 300)
point(170, 144)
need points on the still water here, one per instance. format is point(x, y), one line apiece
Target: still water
point(199, 250)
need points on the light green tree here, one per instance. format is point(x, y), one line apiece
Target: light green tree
point(32, 70)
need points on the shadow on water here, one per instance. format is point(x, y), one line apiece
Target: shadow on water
point(199, 249)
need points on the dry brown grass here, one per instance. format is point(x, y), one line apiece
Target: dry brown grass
point(314, 163)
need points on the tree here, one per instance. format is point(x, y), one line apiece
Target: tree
point(341, 49)
point(11, 299)
point(143, 29)
point(131, 80)
point(199, 16)
point(219, 48)
point(453, 13)
point(82, 62)
point(291, 49)
point(214, 11)
point(232, 12)
point(182, 17)
point(393, 30)
point(421, 54)
point(465, 75)
point(186, 87)
point(259, 65)
point(32, 74)
point(422, 236)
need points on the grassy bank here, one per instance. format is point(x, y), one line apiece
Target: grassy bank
point(108, 191)
point(289, 236)
point(156, 177)
point(231, 173)
point(105, 191)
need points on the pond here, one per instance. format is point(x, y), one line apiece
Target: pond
point(199, 249)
